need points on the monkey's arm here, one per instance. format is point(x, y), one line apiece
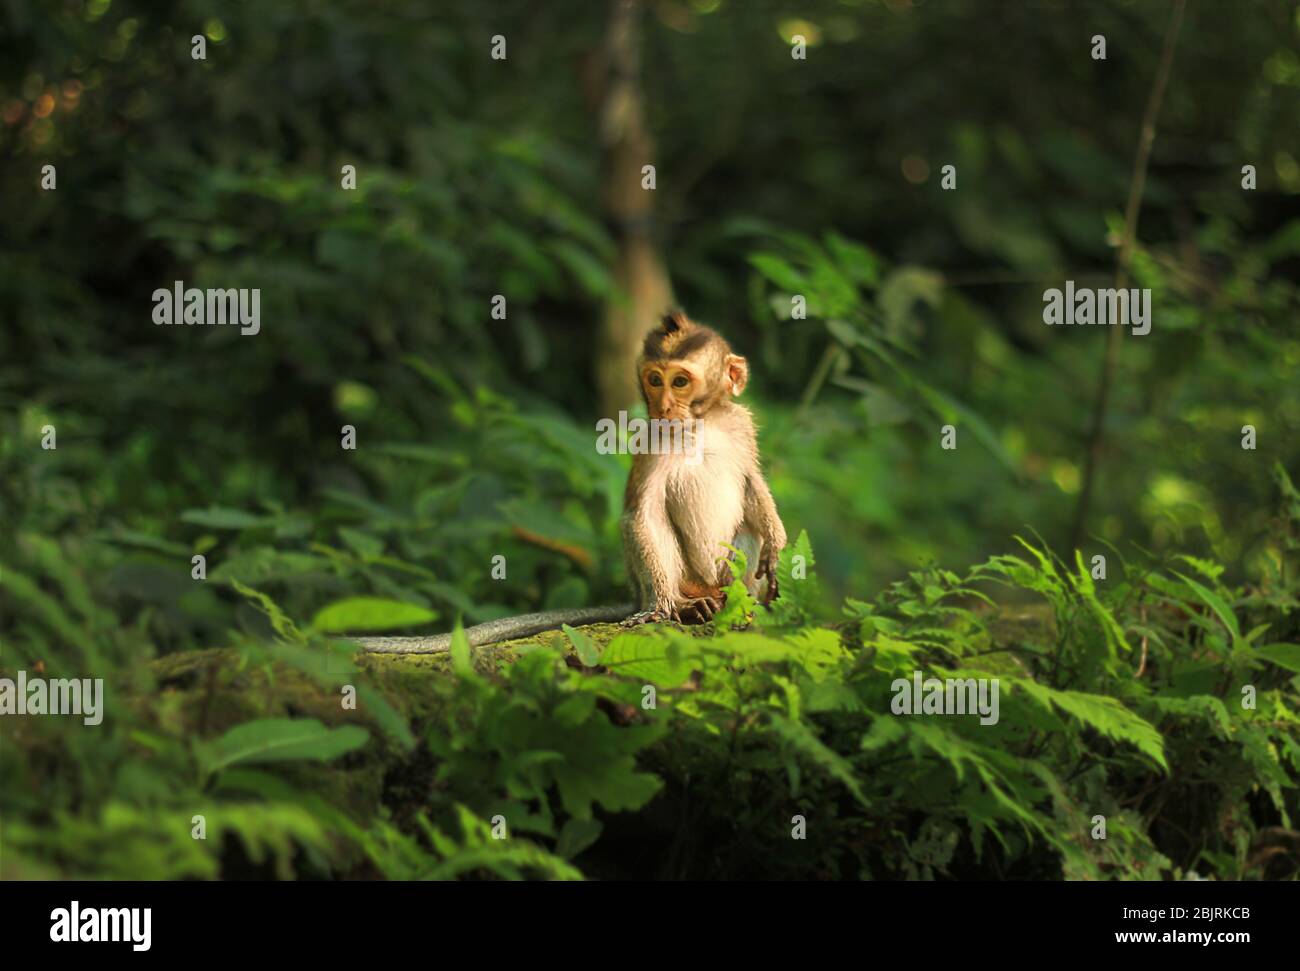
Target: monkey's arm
point(653, 559)
point(650, 547)
point(765, 523)
point(504, 629)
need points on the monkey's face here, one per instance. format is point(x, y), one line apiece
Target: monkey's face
point(669, 389)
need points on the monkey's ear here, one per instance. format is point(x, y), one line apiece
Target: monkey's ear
point(674, 321)
point(737, 373)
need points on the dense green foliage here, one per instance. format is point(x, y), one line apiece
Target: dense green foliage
point(670, 754)
point(777, 177)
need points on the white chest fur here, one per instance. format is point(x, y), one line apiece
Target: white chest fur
point(705, 489)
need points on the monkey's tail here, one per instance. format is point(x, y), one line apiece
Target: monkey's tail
point(503, 629)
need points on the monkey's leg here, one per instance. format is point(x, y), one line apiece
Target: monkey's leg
point(701, 593)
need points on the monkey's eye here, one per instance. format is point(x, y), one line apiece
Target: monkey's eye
point(655, 381)
point(681, 381)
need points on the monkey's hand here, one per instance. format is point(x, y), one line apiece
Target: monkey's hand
point(767, 568)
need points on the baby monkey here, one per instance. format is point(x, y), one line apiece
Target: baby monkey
point(682, 509)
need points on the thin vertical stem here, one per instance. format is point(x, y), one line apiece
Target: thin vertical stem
point(1110, 360)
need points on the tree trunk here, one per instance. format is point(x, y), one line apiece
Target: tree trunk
point(644, 291)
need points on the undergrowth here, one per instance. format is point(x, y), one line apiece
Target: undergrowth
point(1146, 728)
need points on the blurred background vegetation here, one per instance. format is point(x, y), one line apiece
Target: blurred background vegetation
point(476, 177)
point(775, 176)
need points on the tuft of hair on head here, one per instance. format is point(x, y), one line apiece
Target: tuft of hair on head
point(674, 321)
point(676, 336)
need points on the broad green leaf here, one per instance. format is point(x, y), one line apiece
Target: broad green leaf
point(461, 663)
point(649, 657)
point(357, 614)
point(588, 653)
point(280, 740)
point(1283, 655)
point(1214, 602)
point(778, 270)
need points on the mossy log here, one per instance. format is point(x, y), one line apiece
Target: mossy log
point(201, 694)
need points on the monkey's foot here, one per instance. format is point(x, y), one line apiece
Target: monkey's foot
point(698, 611)
point(646, 617)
